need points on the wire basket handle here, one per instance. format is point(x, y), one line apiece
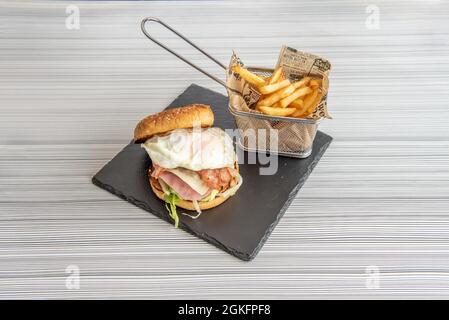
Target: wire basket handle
point(153, 19)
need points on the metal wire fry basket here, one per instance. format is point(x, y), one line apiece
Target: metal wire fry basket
point(286, 136)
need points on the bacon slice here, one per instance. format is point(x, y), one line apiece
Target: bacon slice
point(179, 186)
point(156, 171)
point(219, 179)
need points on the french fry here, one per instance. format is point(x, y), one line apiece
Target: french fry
point(249, 76)
point(309, 99)
point(311, 105)
point(274, 87)
point(314, 103)
point(297, 94)
point(315, 83)
point(298, 103)
point(279, 112)
point(276, 96)
point(301, 83)
point(276, 76)
point(300, 111)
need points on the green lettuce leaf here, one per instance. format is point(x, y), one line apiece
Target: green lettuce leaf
point(211, 196)
point(171, 200)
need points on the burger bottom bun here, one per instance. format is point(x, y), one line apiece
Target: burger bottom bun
point(188, 205)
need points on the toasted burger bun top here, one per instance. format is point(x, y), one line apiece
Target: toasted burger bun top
point(176, 118)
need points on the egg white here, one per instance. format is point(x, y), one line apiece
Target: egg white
point(195, 149)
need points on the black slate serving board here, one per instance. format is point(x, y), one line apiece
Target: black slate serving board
point(242, 224)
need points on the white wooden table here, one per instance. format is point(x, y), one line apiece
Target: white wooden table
point(372, 220)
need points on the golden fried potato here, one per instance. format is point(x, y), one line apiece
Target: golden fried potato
point(297, 94)
point(301, 83)
point(271, 99)
point(312, 102)
point(315, 83)
point(276, 76)
point(274, 87)
point(249, 76)
point(279, 112)
point(298, 103)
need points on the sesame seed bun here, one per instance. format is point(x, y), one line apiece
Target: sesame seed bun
point(171, 119)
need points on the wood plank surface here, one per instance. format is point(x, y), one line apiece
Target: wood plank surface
point(378, 201)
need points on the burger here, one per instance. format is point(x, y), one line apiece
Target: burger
point(194, 165)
